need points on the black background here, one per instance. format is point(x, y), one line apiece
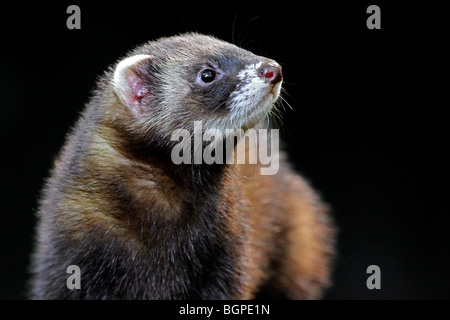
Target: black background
point(369, 126)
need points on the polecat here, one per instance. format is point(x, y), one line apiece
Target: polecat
point(140, 226)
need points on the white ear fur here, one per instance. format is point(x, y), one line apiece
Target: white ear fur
point(124, 81)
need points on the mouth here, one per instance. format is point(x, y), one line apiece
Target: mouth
point(263, 107)
point(275, 91)
point(250, 108)
point(259, 110)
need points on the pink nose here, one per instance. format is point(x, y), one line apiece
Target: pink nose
point(271, 72)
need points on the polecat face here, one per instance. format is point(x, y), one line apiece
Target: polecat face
point(170, 83)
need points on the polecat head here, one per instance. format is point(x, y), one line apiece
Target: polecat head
point(170, 83)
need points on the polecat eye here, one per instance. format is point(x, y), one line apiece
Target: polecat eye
point(208, 76)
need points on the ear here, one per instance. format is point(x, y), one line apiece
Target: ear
point(128, 82)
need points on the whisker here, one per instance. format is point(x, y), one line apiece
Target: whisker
point(243, 29)
point(233, 29)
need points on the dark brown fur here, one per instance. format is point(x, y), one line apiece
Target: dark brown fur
point(141, 227)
